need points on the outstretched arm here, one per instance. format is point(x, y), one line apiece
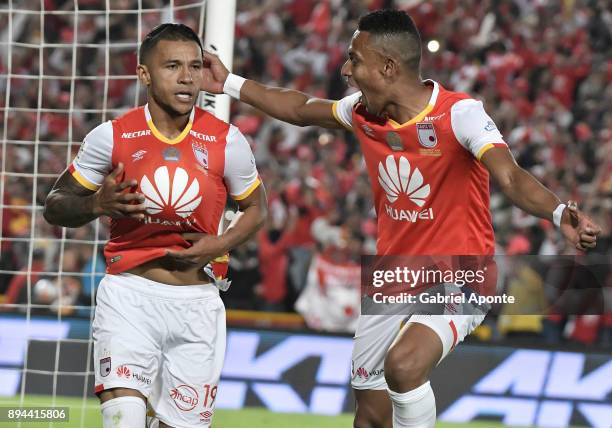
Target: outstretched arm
point(531, 196)
point(284, 104)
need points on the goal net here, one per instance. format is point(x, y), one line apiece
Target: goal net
point(65, 67)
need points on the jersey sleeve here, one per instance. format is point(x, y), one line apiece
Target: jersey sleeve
point(93, 162)
point(343, 109)
point(241, 176)
point(474, 128)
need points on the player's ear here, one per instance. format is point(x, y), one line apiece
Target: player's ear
point(390, 67)
point(143, 74)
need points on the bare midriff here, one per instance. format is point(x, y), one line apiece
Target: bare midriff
point(162, 270)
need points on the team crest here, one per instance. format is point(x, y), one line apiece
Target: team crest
point(201, 153)
point(105, 366)
point(427, 135)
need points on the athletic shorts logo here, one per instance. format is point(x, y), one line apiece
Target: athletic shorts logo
point(141, 378)
point(185, 397)
point(171, 194)
point(105, 366)
point(395, 178)
point(201, 154)
point(123, 371)
point(426, 134)
point(206, 416)
point(362, 373)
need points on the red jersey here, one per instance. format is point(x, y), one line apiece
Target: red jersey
point(185, 180)
point(431, 193)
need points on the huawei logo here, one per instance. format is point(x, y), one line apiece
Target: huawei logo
point(171, 193)
point(395, 178)
point(123, 371)
point(362, 373)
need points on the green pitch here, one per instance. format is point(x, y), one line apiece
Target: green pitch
point(87, 414)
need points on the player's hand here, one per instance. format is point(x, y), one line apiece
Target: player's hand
point(578, 228)
point(204, 249)
point(112, 200)
point(214, 73)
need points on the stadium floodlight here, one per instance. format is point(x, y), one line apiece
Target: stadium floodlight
point(433, 46)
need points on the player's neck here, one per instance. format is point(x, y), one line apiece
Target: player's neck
point(169, 125)
point(409, 101)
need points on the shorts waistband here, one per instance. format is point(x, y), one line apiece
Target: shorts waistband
point(148, 287)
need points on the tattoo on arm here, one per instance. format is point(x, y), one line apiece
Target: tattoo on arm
point(69, 204)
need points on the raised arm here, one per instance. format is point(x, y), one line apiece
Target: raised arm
point(284, 104)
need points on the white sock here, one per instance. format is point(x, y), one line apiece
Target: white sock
point(124, 412)
point(414, 409)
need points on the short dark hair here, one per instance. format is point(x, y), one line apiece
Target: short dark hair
point(166, 31)
point(396, 33)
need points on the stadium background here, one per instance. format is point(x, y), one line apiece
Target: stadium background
point(544, 71)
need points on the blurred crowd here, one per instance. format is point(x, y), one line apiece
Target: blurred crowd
point(542, 68)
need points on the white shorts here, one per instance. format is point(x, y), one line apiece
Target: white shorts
point(376, 333)
point(168, 342)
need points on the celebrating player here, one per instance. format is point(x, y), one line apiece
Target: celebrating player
point(429, 152)
point(162, 172)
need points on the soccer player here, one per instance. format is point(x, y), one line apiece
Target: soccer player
point(428, 152)
point(162, 172)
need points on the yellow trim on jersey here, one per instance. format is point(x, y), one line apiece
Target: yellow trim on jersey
point(165, 139)
point(83, 181)
point(335, 113)
point(248, 191)
point(415, 119)
point(486, 148)
point(221, 259)
point(483, 150)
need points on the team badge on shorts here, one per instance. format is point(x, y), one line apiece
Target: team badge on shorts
point(105, 366)
point(426, 134)
point(201, 153)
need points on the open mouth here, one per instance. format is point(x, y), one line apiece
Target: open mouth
point(184, 96)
